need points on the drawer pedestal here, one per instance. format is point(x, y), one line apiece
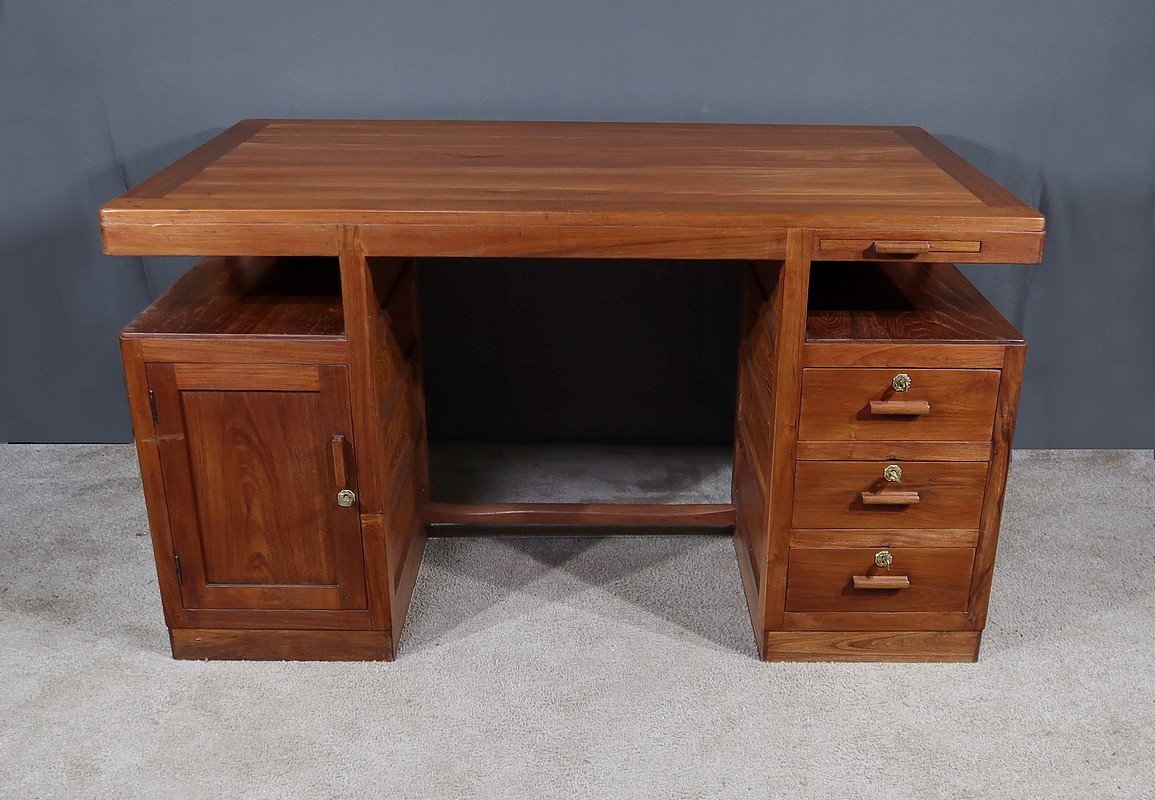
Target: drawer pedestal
point(868, 508)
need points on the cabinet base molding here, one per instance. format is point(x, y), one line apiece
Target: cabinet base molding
point(276, 645)
point(914, 646)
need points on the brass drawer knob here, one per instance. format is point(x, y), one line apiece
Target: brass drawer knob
point(893, 473)
point(346, 498)
point(901, 382)
point(884, 559)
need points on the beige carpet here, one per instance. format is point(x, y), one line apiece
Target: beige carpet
point(582, 667)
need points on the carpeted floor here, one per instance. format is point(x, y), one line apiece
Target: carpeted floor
point(580, 667)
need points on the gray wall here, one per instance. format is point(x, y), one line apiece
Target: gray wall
point(1054, 98)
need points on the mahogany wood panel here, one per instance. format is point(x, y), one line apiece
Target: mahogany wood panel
point(827, 495)
point(842, 404)
point(281, 645)
point(251, 493)
point(897, 646)
point(612, 514)
point(283, 186)
point(825, 579)
point(891, 304)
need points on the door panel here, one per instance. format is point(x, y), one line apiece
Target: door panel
point(252, 475)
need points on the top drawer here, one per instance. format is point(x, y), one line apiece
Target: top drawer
point(1018, 247)
point(865, 405)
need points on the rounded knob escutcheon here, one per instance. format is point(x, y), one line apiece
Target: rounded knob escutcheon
point(892, 473)
point(346, 498)
point(884, 559)
point(901, 382)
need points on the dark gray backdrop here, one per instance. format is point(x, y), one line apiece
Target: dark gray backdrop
point(1054, 98)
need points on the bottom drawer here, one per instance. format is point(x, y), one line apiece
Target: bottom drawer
point(919, 579)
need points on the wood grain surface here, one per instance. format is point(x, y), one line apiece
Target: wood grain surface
point(248, 478)
point(892, 304)
point(824, 579)
point(840, 405)
point(827, 494)
point(641, 189)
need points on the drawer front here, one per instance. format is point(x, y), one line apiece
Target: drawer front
point(850, 580)
point(944, 405)
point(1018, 247)
point(855, 494)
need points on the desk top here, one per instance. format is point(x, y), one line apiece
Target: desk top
point(285, 187)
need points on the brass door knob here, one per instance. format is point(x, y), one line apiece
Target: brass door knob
point(901, 382)
point(884, 559)
point(893, 473)
point(346, 498)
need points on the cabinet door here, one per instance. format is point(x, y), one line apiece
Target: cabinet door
point(253, 458)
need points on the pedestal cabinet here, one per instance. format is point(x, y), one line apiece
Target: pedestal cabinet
point(240, 383)
point(891, 464)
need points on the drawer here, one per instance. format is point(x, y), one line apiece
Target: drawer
point(855, 494)
point(1018, 247)
point(943, 405)
point(850, 580)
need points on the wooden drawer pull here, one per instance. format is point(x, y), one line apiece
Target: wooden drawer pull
point(901, 248)
point(340, 467)
point(899, 408)
point(881, 582)
point(889, 498)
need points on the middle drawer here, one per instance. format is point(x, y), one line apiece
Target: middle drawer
point(878, 494)
point(858, 404)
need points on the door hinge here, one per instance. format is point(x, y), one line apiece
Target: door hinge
point(179, 571)
point(152, 405)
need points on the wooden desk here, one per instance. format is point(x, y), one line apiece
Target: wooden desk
point(276, 390)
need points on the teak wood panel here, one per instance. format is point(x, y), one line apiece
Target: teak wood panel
point(569, 189)
point(597, 514)
point(382, 326)
point(281, 645)
point(770, 371)
point(894, 451)
point(897, 646)
point(828, 494)
point(823, 580)
point(251, 482)
point(891, 305)
point(1004, 435)
point(855, 404)
point(250, 297)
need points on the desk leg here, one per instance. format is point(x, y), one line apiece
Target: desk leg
point(381, 325)
point(769, 394)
